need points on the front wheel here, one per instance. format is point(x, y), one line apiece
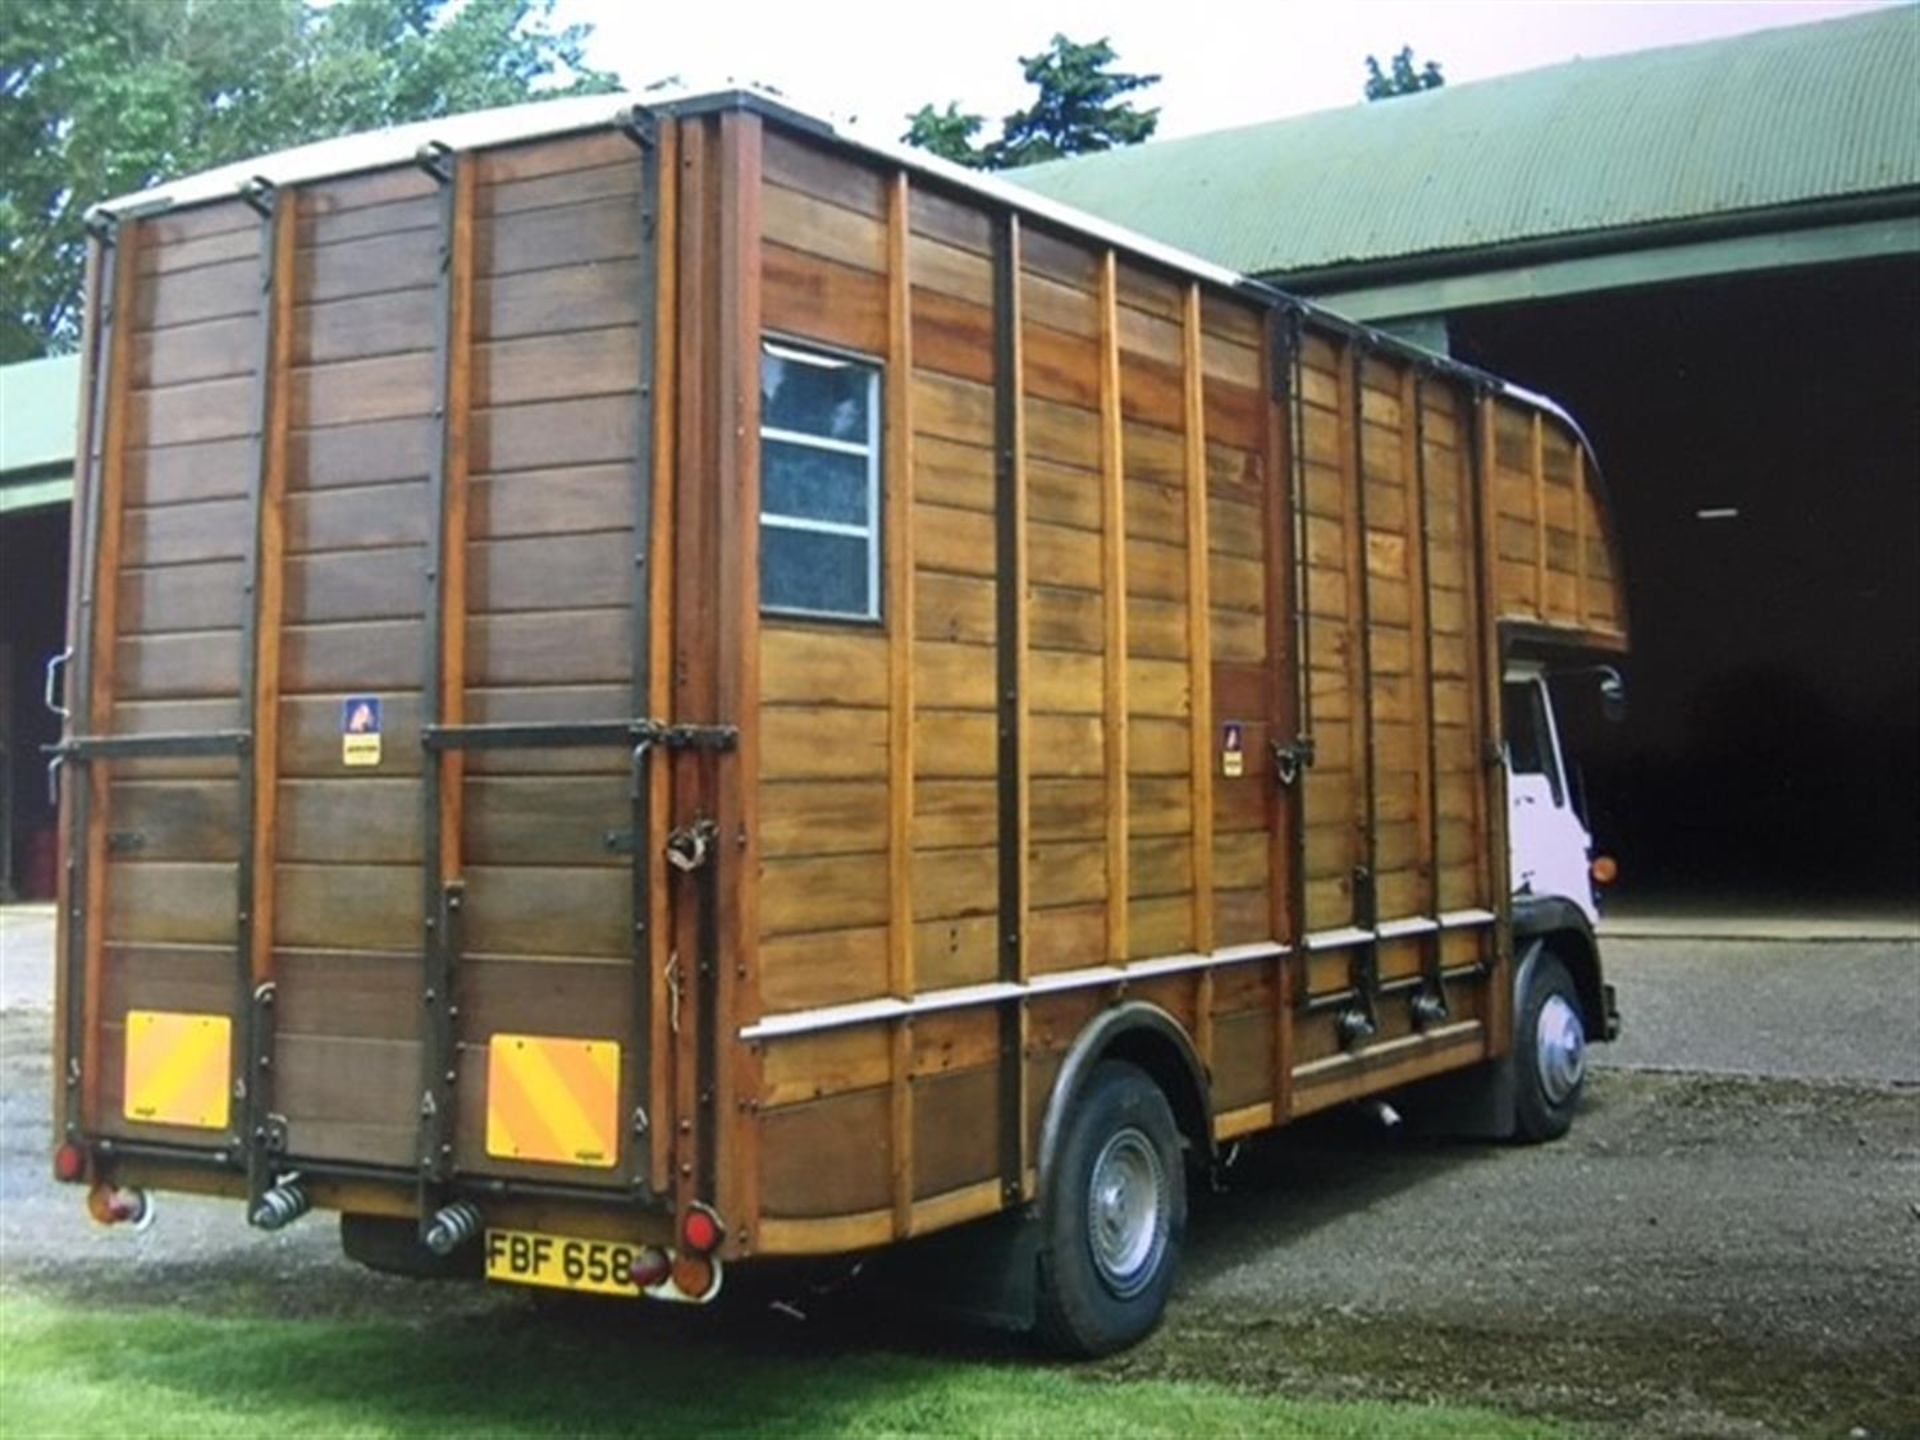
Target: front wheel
point(1550, 1052)
point(1114, 1216)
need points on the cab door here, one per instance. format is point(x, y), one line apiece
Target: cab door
point(1549, 848)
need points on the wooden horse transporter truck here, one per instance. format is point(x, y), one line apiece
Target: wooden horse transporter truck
point(652, 686)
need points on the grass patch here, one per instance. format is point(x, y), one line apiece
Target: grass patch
point(68, 1371)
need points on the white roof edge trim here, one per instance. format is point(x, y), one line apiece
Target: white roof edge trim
point(540, 119)
point(537, 119)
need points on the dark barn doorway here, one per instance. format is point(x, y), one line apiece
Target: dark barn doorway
point(1761, 435)
point(33, 602)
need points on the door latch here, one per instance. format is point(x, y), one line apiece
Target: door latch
point(691, 846)
point(1289, 761)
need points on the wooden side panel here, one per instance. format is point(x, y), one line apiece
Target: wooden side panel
point(1556, 564)
point(346, 875)
point(1398, 701)
point(177, 464)
point(1164, 607)
point(1456, 657)
point(1334, 787)
point(827, 726)
point(544, 550)
point(1074, 662)
point(877, 786)
point(956, 598)
point(1246, 622)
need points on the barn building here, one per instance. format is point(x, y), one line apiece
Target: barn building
point(1711, 255)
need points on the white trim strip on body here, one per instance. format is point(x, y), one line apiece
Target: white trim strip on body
point(893, 1007)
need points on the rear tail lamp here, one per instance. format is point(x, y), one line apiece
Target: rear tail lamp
point(701, 1232)
point(110, 1205)
point(650, 1267)
point(1605, 870)
point(695, 1276)
point(69, 1163)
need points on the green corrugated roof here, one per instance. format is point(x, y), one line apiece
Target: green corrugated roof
point(39, 402)
point(1776, 118)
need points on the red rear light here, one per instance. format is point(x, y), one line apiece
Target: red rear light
point(1605, 870)
point(650, 1267)
point(701, 1231)
point(69, 1163)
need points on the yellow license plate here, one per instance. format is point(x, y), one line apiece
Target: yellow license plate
point(559, 1262)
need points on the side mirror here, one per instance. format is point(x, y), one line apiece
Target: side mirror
point(1613, 694)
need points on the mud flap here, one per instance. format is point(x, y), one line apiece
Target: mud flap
point(1476, 1104)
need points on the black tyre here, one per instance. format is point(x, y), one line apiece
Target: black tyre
point(1114, 1218)
point(1549, 1052)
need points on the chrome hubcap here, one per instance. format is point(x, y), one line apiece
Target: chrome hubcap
point(1560, 1042)
point(1127, 1212)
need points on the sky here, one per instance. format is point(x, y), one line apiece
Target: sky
point(868, 63)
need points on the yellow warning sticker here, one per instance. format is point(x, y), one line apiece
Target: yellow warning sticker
point(553, 1100)
point(179, 1068)
point(1233, 750)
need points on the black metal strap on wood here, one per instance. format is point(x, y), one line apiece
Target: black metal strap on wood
point(1366, 907)
point(644, 131)
point(1434, 1007)
point(579, 734)
point(1293, 758)
point(105, 232)
point(1486, 647)
point(263, 1136)
point(441, 903)
point(1008, 599)
point(159, 746)
point(694, 851)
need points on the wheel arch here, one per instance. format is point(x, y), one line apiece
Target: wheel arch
point(1557, 926)
point(1144, 1035)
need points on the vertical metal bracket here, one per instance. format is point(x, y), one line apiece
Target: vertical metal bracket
point(253, 1069)
point(442, 901)
point(1366, 967)
point(641, 125)
point(1435, 966)
point(105, 230)
point(266, 1133)
point(441, 1012)
point(1008, 599)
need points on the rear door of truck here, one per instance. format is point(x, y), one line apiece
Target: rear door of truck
point(364, 682)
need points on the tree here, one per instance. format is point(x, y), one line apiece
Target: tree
point(947, 133)
point(1403, 79)
point(101, 97)
point(1077, 112)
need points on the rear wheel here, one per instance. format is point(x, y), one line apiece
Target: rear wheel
point(1114, 1216)
point(1550, 1052)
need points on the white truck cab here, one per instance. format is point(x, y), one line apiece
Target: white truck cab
point(1550, 852)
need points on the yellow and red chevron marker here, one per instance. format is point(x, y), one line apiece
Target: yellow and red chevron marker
point(553, 1100)
point(179, 1068)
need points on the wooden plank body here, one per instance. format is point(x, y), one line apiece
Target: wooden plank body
point(1144, 541)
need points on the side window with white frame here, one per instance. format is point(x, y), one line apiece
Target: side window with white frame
point(819, 483)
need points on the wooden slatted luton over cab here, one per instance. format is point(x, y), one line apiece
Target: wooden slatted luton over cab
point(652, 686)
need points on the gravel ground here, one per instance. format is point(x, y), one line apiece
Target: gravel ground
point(1722, 1255)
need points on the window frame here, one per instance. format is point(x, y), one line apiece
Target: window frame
point(1546, 737)
point(801, 350)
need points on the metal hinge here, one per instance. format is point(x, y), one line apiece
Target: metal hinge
point(696, 737)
